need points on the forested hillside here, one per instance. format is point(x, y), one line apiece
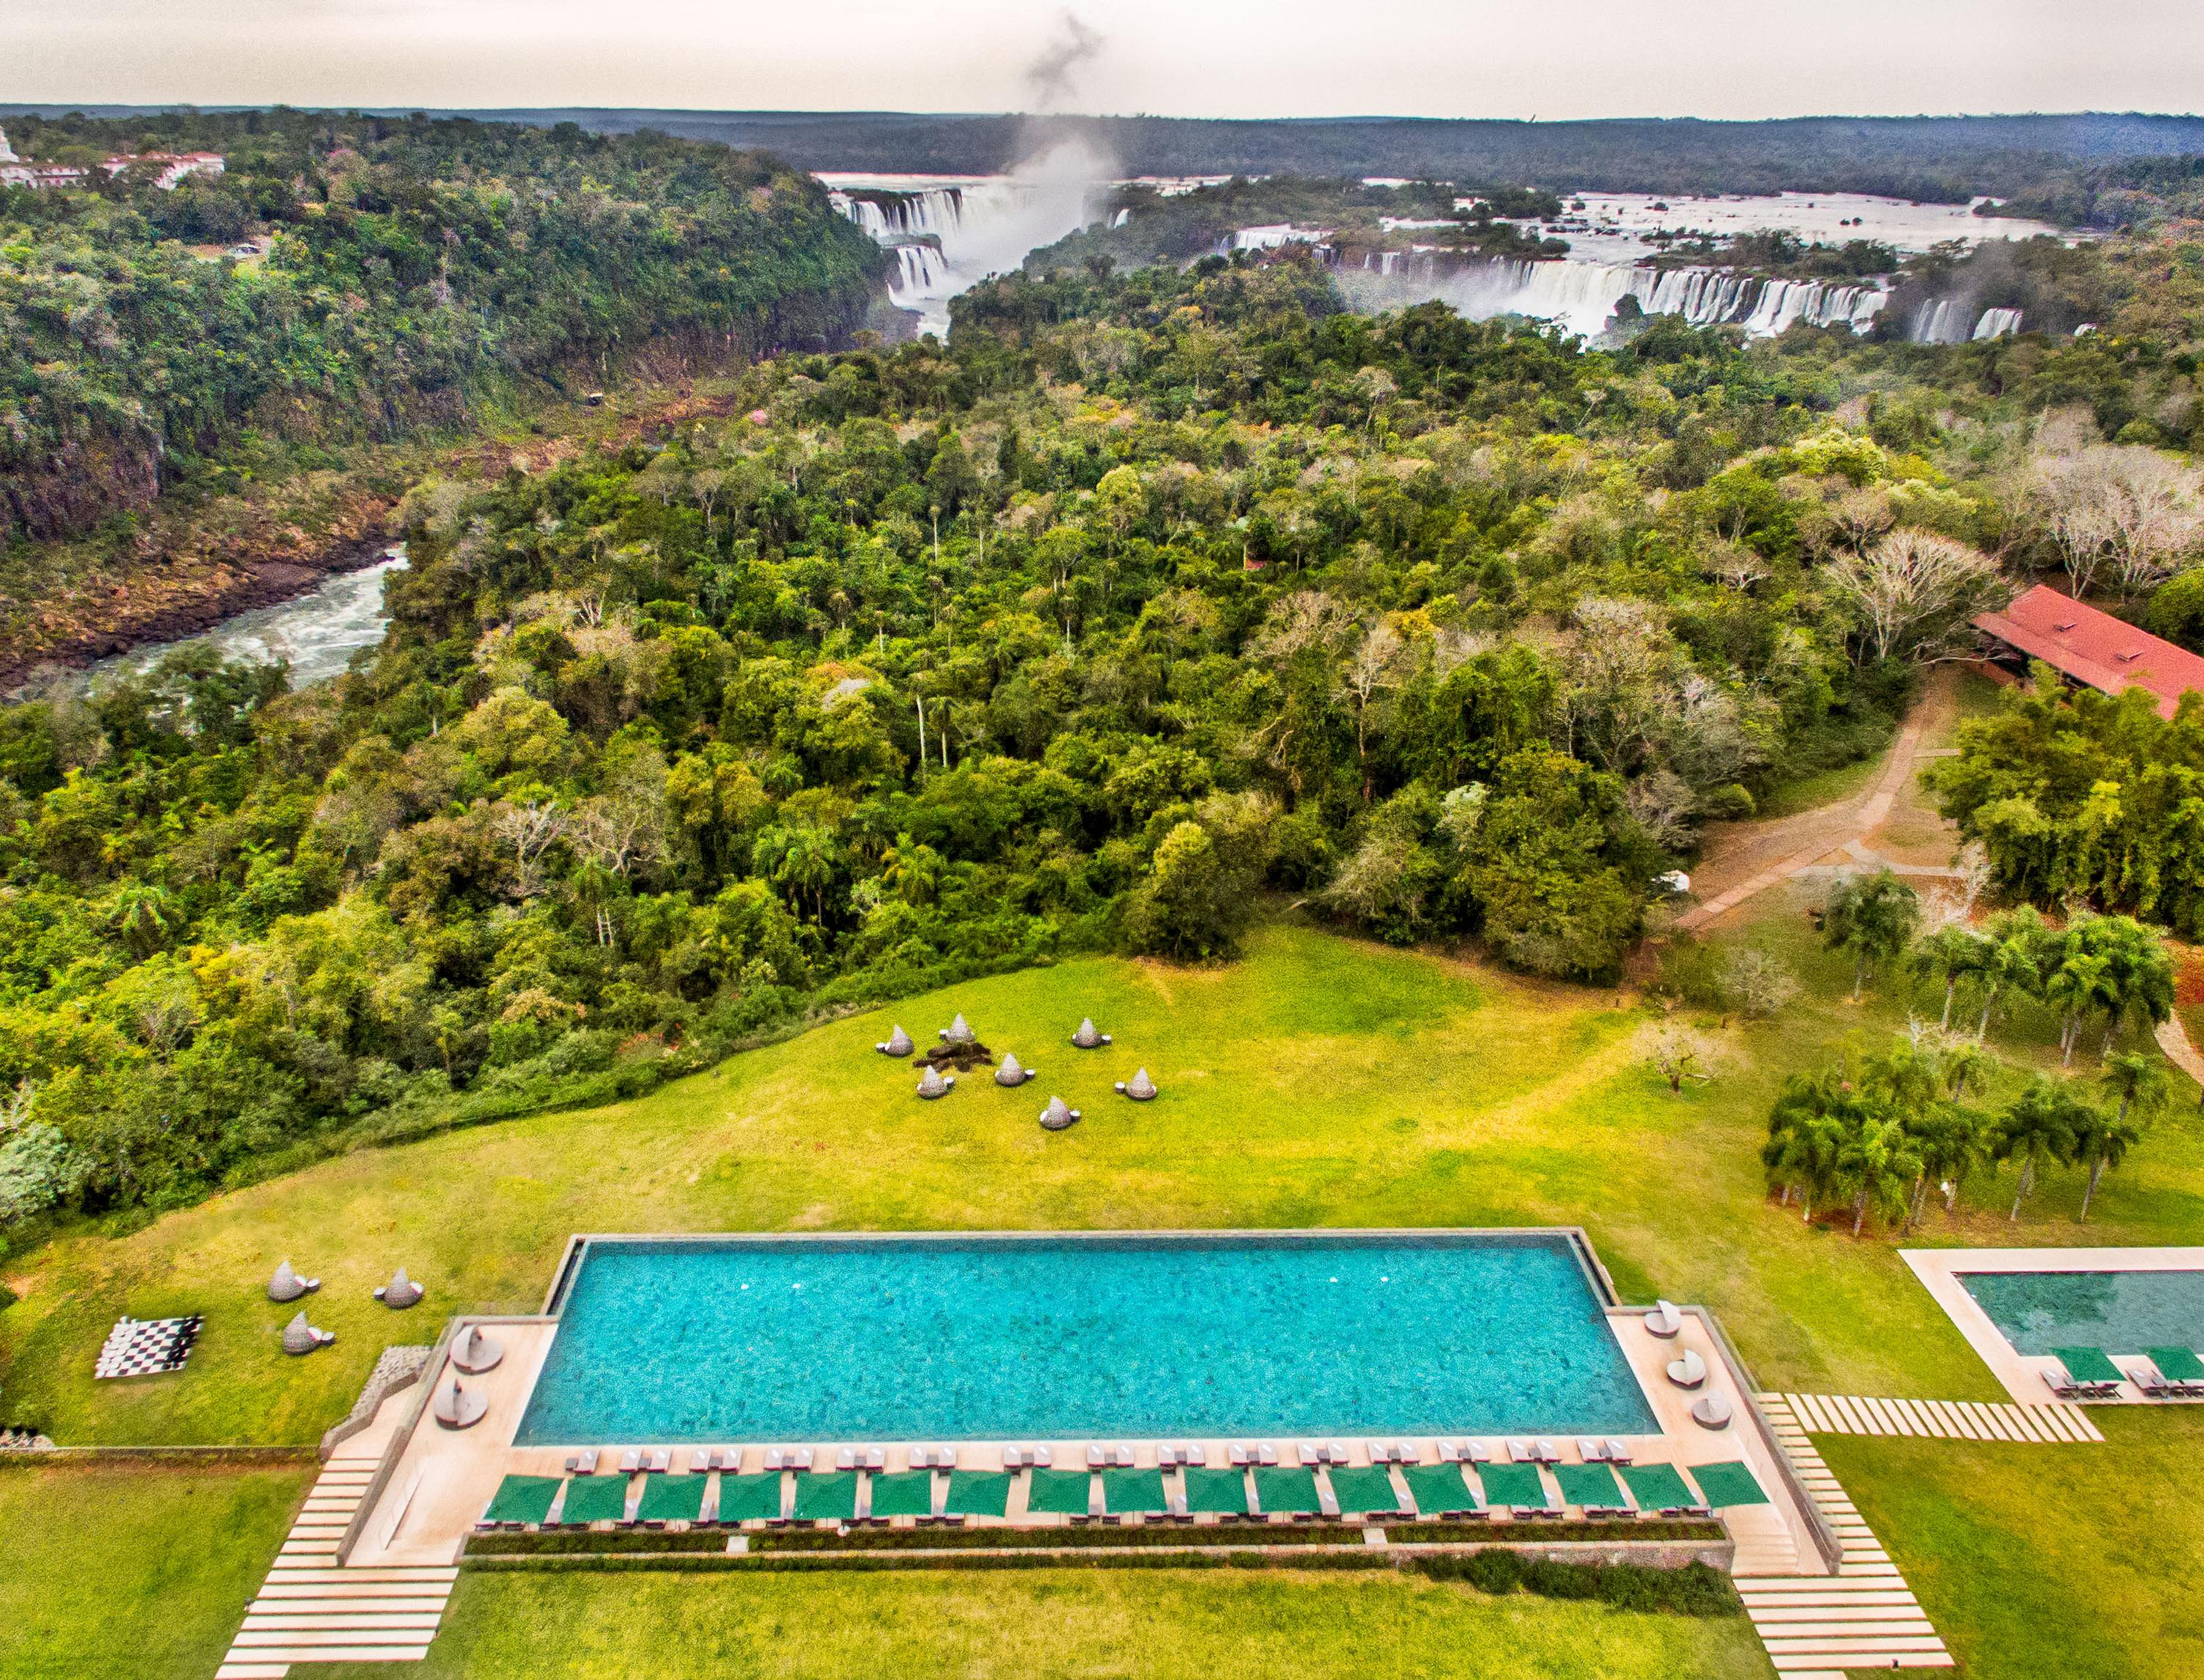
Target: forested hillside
point(399, 271)
point(1148, 595)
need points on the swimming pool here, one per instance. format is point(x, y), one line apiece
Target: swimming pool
point(1054, 1338)
point(2121, 1312)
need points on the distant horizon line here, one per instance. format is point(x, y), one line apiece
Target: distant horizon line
point(117, 108)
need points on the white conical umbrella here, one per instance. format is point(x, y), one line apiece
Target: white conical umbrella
point(456, 1408)
point(285, 1285)
point(474, 1353)
point(930, 1084)
point(1057, 1115)
point(1087, 1038)
point(960, 1031)
point(400, 1292)
point(1010, 1073)
point(300, 1336)
point(1140, 1088)
point(899, 1043)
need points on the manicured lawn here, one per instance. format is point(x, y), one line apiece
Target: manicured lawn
point(2037, 1561)
point(1089, 1623)
point(1319, 1082)
point(136, 1571)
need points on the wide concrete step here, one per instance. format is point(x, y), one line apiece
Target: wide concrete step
point(343, 1653)
point(380, 1604)
point(266, 1621)
point(251, 1671)
point(306, 1639)
point(378, 1572)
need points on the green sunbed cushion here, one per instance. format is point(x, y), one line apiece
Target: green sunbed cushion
point(596, 1498)
point(1657, 1487)
point(1286, 1489)
point(1058, 1493)
point(902, 1494)
point(1728, 1485)
point(1588, 1485)
point(1224, 1491)
point(522, 1498)
point(749, 1498)
point(2175, 1365)
point(672, 1499)
point(1364, 1489)
point(1124, 1492)
point(2088, 1364)
point(1513, 1485)
point(978, 1493)
point(1437, 1487)
point(827, 1496)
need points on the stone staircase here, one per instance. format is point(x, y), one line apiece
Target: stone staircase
point(310, 1610)
point(1816, 1626)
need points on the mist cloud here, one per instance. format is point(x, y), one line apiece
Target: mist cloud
point(1053, 75)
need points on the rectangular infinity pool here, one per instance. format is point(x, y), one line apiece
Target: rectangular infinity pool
point(2121, 1312)
point(1052, 1338)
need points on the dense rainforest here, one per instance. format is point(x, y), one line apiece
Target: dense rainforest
point(1147, 599)
point(358, 277)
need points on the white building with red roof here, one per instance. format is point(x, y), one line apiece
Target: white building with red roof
point(2092, 648)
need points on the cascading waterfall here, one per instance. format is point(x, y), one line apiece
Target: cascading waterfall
point(1582, 296)
point(947, 235)
point(1997, 323)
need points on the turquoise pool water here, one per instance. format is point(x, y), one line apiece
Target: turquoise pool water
point(2121, 1312)
point(1050, 1338)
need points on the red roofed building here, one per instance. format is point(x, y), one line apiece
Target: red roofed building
point(2093, 648)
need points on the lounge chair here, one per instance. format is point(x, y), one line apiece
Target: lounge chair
point(1476, 1453)
point(659, 1461)
point(1439, 1490)
point(702, 1460)
point(520, 1502)
point(1521, 1453)
point(1618, 1451)
point(978, 1493)
point(1658, 1487)
point(827, 1497)
point(1726, 1486)
point(1591, 1448)
point(1288, 1491)
point(1369, 1490)
point(1059, 1493)
point(751, 1499)
point(2178, 1368)
point(631, 1461)
point(1591, 1488)
point(670, 1499)
point(1687, 1369)
point(1238, 1456)
point(1519, 1487)
point(581, 1464)
point(1311, 1456)
point(1548, 1453)
point(1266, 1455)
point(1664, 1321)
point(595, 1499)
point(2089, 1372)
point(1216, 1493)
point(903, 1493)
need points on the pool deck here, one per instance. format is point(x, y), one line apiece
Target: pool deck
point(1939, 1271)
point(438, 1481)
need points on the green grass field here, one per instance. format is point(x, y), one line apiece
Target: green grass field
point(1028, 1625)
point(140, 1571)
point(1319, 1082)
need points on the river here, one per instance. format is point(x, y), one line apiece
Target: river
point(317, 633)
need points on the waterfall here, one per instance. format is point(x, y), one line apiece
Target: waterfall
point(948, 234)
point(1944, 320)
point(1582, 296)
point(1997, 323)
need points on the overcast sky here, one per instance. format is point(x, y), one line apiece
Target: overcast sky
point(1554, 58)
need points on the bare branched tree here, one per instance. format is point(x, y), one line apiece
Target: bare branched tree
point(530, 828)
point(1913, 591)
point(2122, 509)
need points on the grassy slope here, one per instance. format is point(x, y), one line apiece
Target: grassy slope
point(1319, 1082)
point(1095, 1625)
point(135, 1571)
point(2078, 1564)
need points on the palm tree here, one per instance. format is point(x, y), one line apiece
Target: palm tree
point(1950, 954)
point(1873, 918)
point(1879, 1163)
point(2145, 976)
point(2075, 985)
point(1954, 1141)
point(1803, 1134)
point(2009, 964)
point(2044, 1121)
point(2139, 1082)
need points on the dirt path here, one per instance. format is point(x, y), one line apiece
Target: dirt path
point(1889, 822)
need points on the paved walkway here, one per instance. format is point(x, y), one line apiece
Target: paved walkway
point(2173, 1039)
point(1865, 1616)
point(313, 1611)
point(1943, 1420)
